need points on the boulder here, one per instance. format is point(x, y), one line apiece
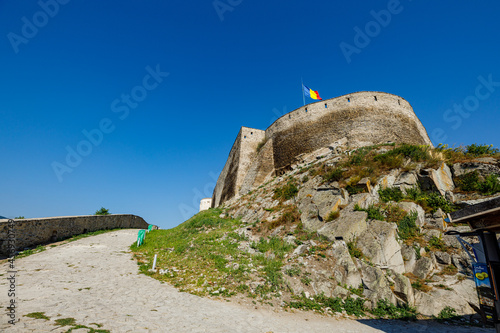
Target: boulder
point(348, 225)
point(378, 243)
point(409, 257)
point(388, 180)
point(442, 258)
point(328, 199)
point(423, 267)
point(439, 179)
point(376, 284)
point(413, 207)
point(310, 217)
point(406, 180)
point(346, 272)
point(363, 200)
point(463, 293)
point(402, 289)
point(483, 166)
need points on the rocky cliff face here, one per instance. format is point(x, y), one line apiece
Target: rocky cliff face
point(369, 223)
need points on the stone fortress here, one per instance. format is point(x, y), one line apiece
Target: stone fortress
point(354, 120)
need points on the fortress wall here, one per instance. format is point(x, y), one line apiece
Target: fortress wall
point(364, 118)
point(33, 232)
point(262, 165)
point(240, 158)
point(366, 99)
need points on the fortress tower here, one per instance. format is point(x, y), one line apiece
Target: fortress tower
point(363, 118)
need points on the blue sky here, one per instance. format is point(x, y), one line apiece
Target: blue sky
point(162, 88)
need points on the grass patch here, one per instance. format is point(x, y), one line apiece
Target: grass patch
point(354, 251)
point(471, 182)
point(65, 322)
point(374, 212)
point(436, 243)
point(289, 215)
point(407, 228)
point(37, 315)
point(286, 192)
point(202, 256)
point(333, 215)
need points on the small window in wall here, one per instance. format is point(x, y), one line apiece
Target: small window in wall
point(348, 100)
point(326, 105)
point(306, 109)
point(399, 102)
point(289, 116)
point(375, 97)
point(251, 133)
point(245, 137)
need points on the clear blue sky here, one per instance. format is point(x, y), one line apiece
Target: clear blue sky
point(160, 140)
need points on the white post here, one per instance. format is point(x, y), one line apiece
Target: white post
point(154, 262)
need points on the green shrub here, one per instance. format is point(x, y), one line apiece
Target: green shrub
point(286, 192)
point(407, 228)
point(386, 309)
point(490, 186)
point(352, 190)
point(333, 174)
point(448, 313)
point(437, 243)
point(478, 150)
point(374, 213)
point(391, 194)
point(353, 250)
point(102, 211)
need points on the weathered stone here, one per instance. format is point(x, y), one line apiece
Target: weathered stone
point(378, 243)
point(409, 257)
point(484, 167)
point(442, 258)
point(376, 285)
point(310, 218)
point(327, 201)
point(402, 289)
point(413, 207)
point(348, 225)
point(363, 200)
point(338, 291)
point(364, 184)
point(459, 298)
point(423, 267)
point(290, 240)
point(346, 272)
point(300, 250)
point(276, 231)
point(406, 180)
point(439, 179)
point(388, 180)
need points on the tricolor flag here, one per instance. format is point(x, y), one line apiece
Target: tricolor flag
point(311, 93)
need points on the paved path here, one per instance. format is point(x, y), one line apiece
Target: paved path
point(95, 280)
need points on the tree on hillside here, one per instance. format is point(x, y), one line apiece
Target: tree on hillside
point(102, 211)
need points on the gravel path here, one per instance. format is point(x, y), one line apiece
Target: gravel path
point(95, 280)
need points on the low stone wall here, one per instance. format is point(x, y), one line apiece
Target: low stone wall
point(33, 232)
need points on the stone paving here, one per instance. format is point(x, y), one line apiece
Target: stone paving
point(95, 280)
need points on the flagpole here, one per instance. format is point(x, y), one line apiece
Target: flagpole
point(303, 94)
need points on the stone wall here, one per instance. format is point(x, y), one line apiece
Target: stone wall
point(363, 118)
point(240, 158)
point(33, 232)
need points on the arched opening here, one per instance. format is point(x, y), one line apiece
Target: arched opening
point(53, 238)
point(85, 231)
point(375, 98)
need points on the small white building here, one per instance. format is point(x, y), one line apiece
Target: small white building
point(205, 204)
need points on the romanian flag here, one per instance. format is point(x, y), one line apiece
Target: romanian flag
point(311, 93)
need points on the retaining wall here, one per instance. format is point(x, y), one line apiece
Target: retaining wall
point(32, 232)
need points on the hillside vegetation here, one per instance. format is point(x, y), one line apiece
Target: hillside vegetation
point(352, 232)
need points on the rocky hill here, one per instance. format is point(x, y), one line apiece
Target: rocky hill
point(352, 231)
